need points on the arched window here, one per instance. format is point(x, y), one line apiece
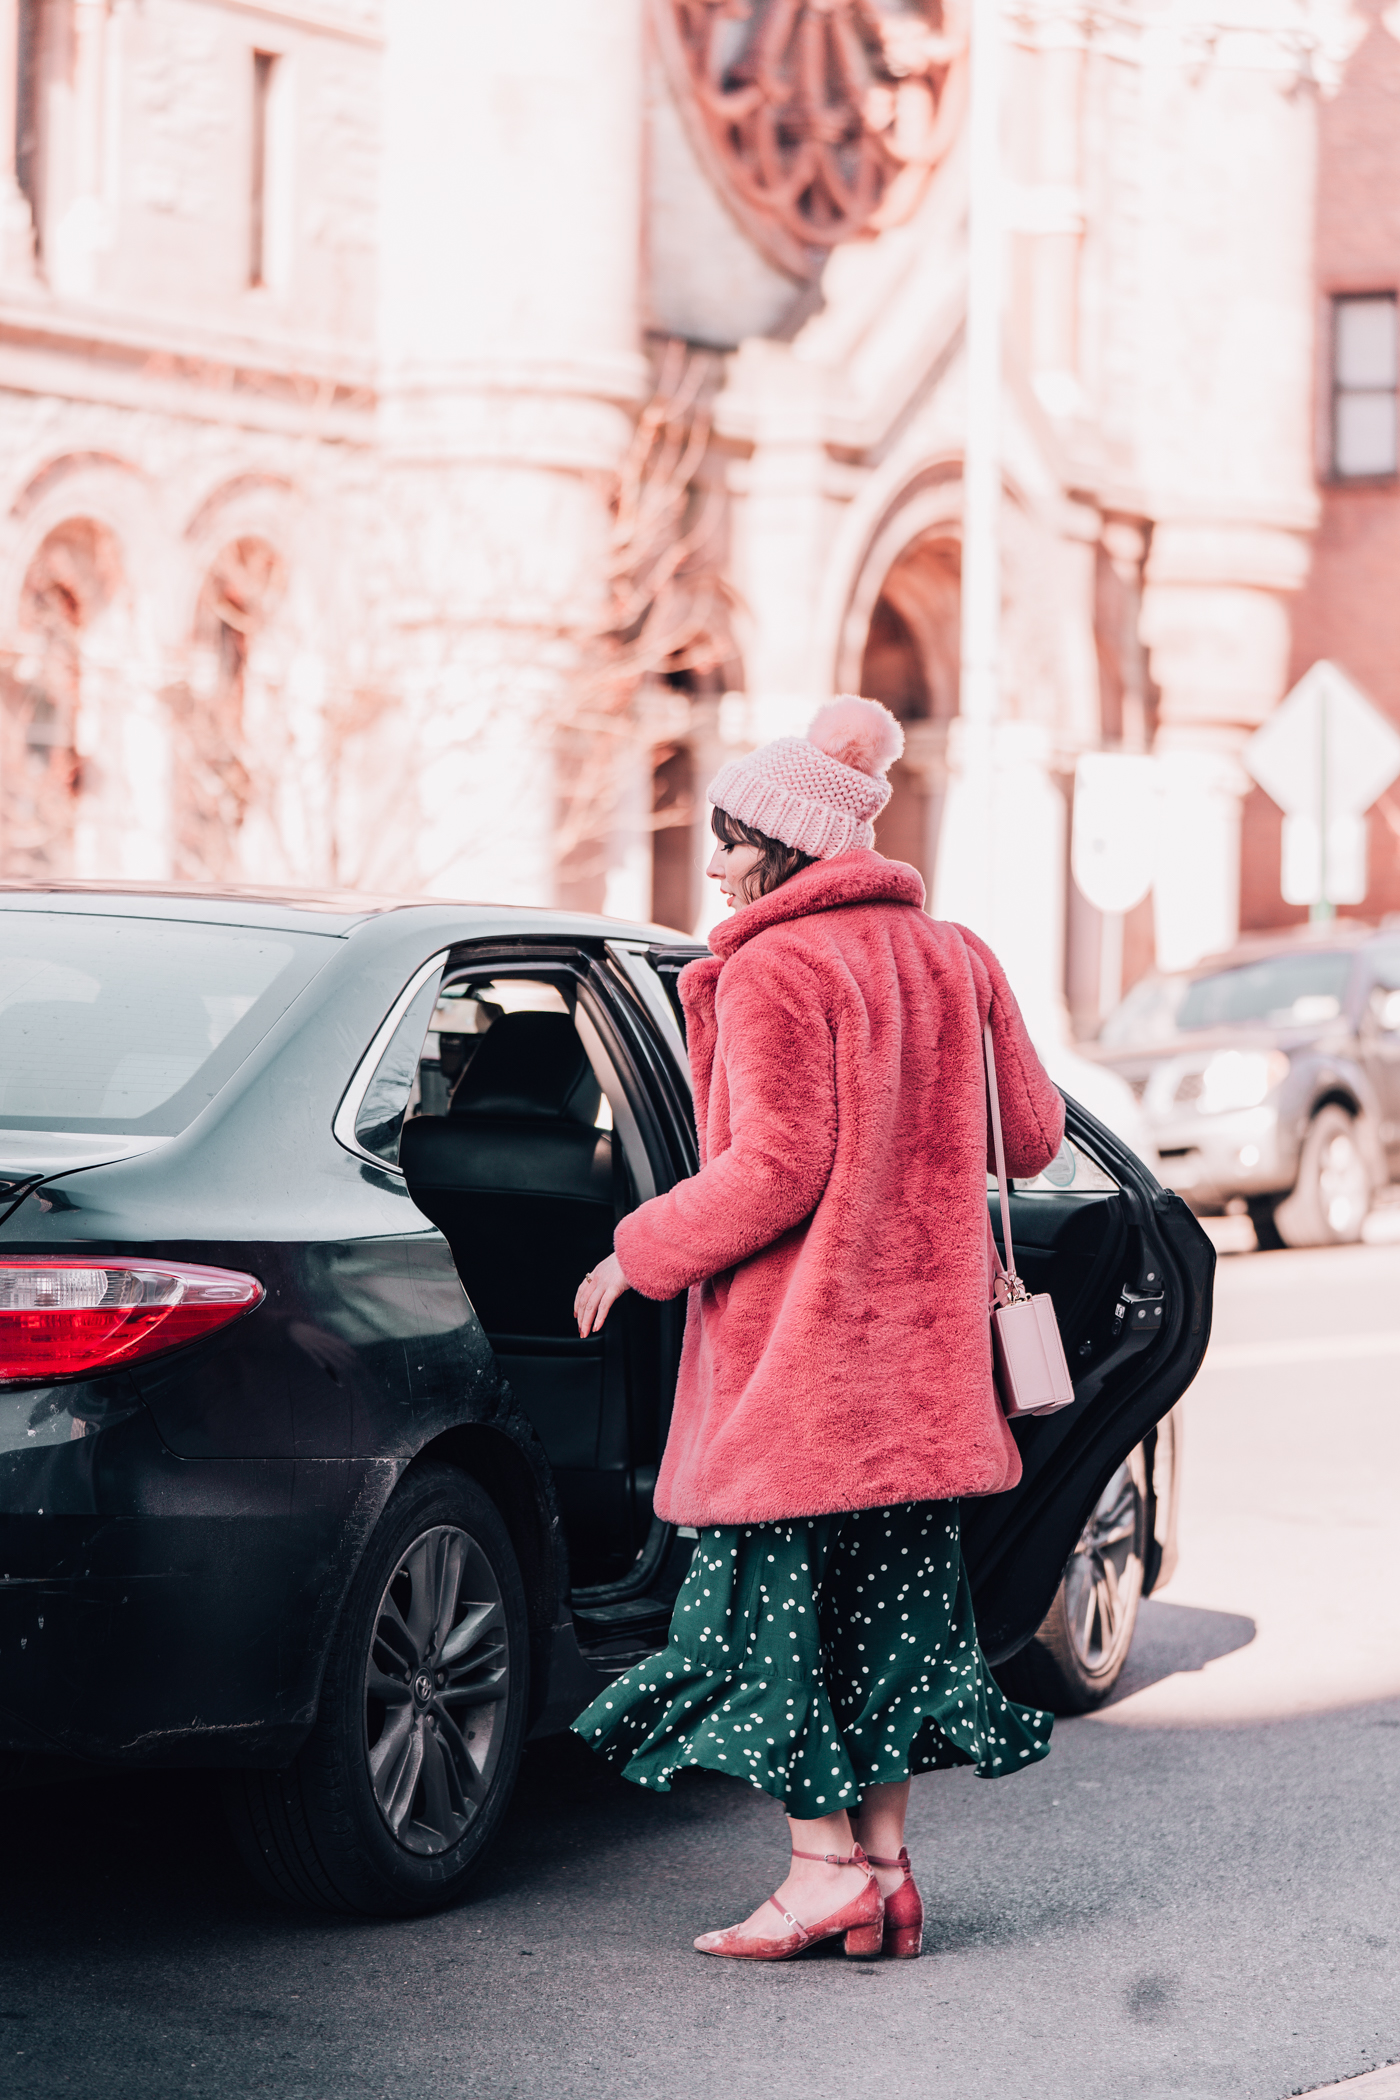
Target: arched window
point(69, 584)
point(911, 663)
point(220, 772)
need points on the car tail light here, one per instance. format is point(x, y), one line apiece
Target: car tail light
point(69, 1316)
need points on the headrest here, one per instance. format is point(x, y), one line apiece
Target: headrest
point(530, 1065)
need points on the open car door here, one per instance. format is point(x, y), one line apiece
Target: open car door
point(1130, 1273)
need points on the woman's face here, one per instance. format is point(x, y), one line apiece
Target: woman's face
point(731, 867)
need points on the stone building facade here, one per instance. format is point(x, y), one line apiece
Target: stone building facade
point(433, 434)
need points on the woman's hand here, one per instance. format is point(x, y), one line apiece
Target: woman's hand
point(598, 1294)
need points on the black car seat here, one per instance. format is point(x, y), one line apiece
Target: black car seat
point(517, 1177)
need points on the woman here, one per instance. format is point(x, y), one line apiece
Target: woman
point(835, 1395)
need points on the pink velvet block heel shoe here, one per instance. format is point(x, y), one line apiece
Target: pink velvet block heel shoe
point(904, 1912)
point(862, 1921)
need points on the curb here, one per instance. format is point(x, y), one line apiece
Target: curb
point(1371, 2085)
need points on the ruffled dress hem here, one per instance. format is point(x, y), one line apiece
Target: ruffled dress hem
point(879, 1675)
point(781, 1736)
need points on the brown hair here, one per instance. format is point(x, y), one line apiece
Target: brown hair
point(779, 862)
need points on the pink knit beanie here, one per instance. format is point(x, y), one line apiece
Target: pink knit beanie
point(818, 792)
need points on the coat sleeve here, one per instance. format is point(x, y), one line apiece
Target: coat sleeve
point(776, 1047)
point(1032, 1106)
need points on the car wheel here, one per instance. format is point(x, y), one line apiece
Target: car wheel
point(1332, 1194)
point(1078, 1651)
point(404, 1780)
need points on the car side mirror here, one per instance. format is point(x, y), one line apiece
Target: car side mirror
point(1386, 1008)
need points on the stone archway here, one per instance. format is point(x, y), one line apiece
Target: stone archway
point(910, 662)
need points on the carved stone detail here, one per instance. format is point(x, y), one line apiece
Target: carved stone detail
point(819, 119)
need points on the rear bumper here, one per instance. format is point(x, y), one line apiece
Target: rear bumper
point(156, 1610)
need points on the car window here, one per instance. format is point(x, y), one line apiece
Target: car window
point(441, 1033)
point(132, 1025)
point(393, 1082)
point(467, 1010)
point(1071, 1169)
point(1281, 989)
point(654, 974)
point(1145, 1015)
point(1384, 959)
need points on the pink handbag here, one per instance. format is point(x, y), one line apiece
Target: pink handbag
point(1031, 1372)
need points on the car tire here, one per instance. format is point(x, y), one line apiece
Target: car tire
point(403, 1782)
point(1332, 1195)
point(1077, 1653)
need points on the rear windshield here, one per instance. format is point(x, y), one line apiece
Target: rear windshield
point(133, 1025)
point(1287, 990)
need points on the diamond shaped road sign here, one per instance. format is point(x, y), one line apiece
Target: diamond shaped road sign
point(1325, 751)
point(1325, 755)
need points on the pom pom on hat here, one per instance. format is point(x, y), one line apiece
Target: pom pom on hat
point(857, 733)
point(821, 792)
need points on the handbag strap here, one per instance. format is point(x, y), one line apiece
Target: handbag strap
point(1006, 1272)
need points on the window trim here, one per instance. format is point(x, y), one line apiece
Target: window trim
point(343, 1122)
point(1378, 477)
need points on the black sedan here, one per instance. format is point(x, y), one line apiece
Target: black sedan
point(305, 1476)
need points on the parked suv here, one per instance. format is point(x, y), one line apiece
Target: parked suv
point(1272, 1075)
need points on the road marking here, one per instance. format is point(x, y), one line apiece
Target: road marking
point(1307, 1349)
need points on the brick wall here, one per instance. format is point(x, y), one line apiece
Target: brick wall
point(1349, 609)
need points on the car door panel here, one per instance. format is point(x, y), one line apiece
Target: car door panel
point(1066, 1244)
point(558, 1383)
point(1147, 1329)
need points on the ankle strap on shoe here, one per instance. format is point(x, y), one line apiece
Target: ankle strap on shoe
point(793, 1924)
point(835, 1859)
point(903, 1860)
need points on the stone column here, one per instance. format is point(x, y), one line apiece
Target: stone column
point(783, 521)
point(510, 372)
point(1216, 623)
point(1015, 880)
point(1051, 208)
point(1226, 428)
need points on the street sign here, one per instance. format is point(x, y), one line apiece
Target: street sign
point(1324, 755)
point(1113, 842)
point(1303, 877)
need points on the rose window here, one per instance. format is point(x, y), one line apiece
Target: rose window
point(821, 119)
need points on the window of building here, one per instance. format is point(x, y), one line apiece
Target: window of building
point(28, 98)
point(264, 71)
point(1365, 374)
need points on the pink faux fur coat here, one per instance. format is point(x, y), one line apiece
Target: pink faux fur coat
point(837, 1351)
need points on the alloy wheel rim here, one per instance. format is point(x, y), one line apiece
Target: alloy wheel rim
point(1104, 1579)
point(437, 1682)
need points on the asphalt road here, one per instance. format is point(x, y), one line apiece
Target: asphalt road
point(1196, 1897)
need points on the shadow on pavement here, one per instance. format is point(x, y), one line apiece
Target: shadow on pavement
point(146, 1859)
point(148, 1856)
point(1172, 1638)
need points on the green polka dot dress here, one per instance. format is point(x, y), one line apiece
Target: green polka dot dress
point(816, 1658)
